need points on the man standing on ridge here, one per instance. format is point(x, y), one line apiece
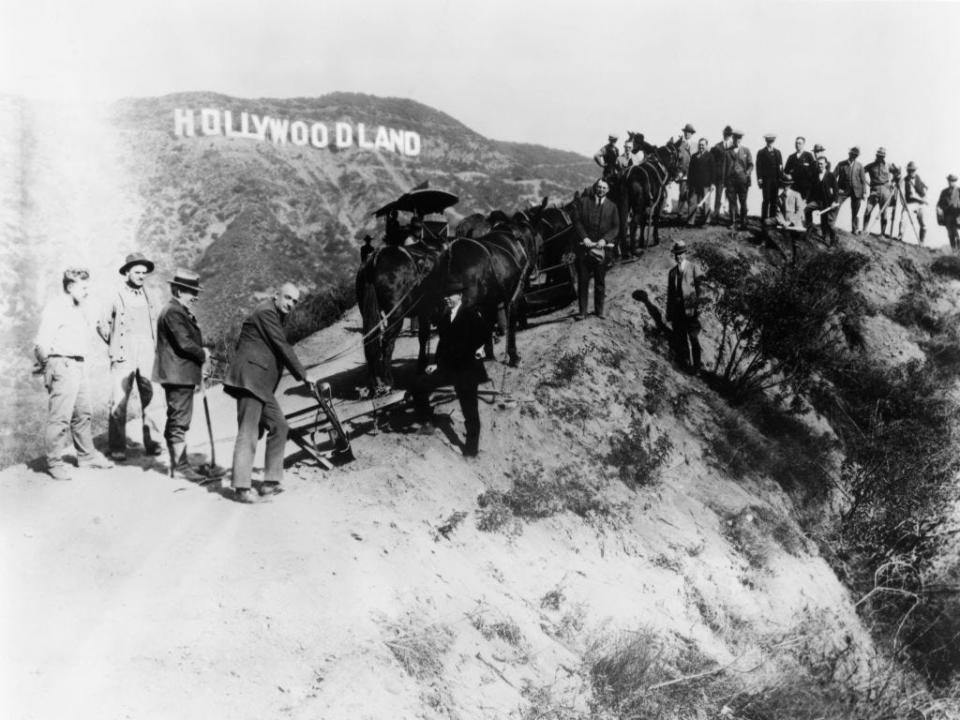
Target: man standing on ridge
point(881, 191)
point(948, 211)
point(721, 169)
point(824, 196)
point(699, 181)
point(262, 353)
point(597, 222)
point(852, 182)
point(683, 309)
point(914, 197)
point(740, 162)
point(802, 167)
point(683, 167)
point(62, 348)
point(769, 170)
point(179, 367)
point(129, 329)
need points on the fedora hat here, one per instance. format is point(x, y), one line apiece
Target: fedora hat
point(818, 148)
point(679, 247)
point(787, 179)
point(911, 165)
point(881, 152)
point(186, 279)
point(688, 128)
point(951, 178)
point(854, 150)
point(453, 286)
point(136, 259)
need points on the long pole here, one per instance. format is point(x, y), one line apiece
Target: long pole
point(883, 209)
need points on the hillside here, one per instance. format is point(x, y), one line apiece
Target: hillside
point(630, 543)
point(88, 183)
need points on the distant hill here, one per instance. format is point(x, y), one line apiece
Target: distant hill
point(247, 213)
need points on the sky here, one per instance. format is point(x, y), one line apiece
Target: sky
point(559, 73)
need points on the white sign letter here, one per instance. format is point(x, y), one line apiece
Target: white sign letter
point(228, 125)
point(299, 133)
point(396, 141)
point(260, 126)
point(278, 130)
point(210, 121)
point(318, 135)
point(344, 135)
point(362, 139)
point(411, 143)
point(183, 123)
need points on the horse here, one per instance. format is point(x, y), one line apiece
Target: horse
point(389, 289)
point(643, 191)
point(493, 268)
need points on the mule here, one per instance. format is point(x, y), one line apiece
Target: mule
point(642, 194)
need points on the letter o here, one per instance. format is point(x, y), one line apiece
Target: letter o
point(319, 137)
point(299, 133)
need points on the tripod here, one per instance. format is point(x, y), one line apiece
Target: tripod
point(906, 210)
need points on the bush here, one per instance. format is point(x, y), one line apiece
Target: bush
point(420, 650)
point(638, 457)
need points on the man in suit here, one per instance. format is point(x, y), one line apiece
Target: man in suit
point(683, 166)
point(699, 181)
point(881, 191)
point(178, 366)
point(597, 222)
point(948, 211)
point(720, 170)
point(740, 164)
point(914, 196)
point(791, 205)
point(683, 311)
point(825, 197)
point(129, 328)
point(819, 151)
point(261, 354)
point(802, 168)
point(462, 333)
point(769, 170)
point(852, 182)
point(366, 250)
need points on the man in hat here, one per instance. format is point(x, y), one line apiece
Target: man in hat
point(699, 181)
point(606, 157)
point(683, 166)
point(948, 211)
point(366, 250)
point(720, 169)
point(819, 151)
point(462, 332)
point(881, 191)
point(825, 197)
point(62, 348)
point(852, 182)
point(261, 354)
point(128, 326)
point(791, 205)
point(178, 366)
point(769, 170)
point(683, 308)
point(597, 222)
point(802, 167)
point(914, 197)
point(740, 163)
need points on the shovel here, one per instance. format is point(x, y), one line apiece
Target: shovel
point(211, 470)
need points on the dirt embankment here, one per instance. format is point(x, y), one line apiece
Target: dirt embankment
point(620, 541)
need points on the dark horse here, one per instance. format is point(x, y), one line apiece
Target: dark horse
point(389, 288)
point(493, 267)
point(643, 191)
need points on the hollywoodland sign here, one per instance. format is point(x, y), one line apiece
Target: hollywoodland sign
point(280, 131)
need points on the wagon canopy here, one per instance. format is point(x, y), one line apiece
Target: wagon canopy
point(420, 202)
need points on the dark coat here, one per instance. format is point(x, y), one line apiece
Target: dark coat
point(824, 192)
point(769, 165)
point(597, 222)
point(740, 165)
point(458, 344)
point(851, 178)
point(701, 174)
point(803, 170)
point(180, 354)
point(262, 353)
point(721, 164)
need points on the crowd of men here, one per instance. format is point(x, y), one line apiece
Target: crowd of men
point(795, 188)
point(149, 346)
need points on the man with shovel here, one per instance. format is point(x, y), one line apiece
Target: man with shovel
point(261, 354)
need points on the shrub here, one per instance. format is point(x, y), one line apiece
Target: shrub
point(638, 457)
point(947, 265)
point(420, 650)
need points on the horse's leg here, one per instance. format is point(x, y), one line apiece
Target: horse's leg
point(389, 341)
point(423, 335)
point(513, 359)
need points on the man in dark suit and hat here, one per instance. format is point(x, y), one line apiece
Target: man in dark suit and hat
point(802, 167)
point(769, 171)
point(852, 182)
point(178, 366)
point(683, 311)
point(721, 168)
point(462, 332)
point(948, 211)
point(129, 327)
point(262, 353)
point(825, 197)
point(366, 250)
point(597, 222)
point(740, 165)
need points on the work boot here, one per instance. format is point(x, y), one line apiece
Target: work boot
point(244, 496)
point(923, 234)
point(179, 466)
point(59, 472)
point(150, 446)
point(95, 460)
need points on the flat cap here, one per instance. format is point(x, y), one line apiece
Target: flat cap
point(769, 136)
point(881, 152)
point(736, 133)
